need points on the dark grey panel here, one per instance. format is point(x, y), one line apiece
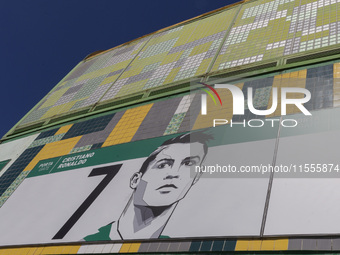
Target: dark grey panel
point(324, 244)
point(336, 244)
point(157, 119)
point(153, 247)
point(174, 247)
point(184, 246)
point(309, 244)
point(143, 247)
point(100, 136)
point(295, 244)
point(163, 247)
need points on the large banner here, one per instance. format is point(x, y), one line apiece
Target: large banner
point(156, 188)
point(220, 182)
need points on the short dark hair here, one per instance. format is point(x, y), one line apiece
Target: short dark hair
point(191, 137)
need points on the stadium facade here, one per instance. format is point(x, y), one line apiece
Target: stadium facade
point(217, 134)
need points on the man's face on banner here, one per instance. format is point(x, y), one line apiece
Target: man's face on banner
point(167, 178)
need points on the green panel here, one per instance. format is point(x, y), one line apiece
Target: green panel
point(4, 163)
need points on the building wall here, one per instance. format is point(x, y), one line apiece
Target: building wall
point(36, 186)
point(49, 179)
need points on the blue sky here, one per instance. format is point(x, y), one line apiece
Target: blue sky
point(42, 40)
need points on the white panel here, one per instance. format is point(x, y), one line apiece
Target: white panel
point(306, 205)
point(12, 150)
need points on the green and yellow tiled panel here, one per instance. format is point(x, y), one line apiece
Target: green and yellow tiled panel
point(86, 83)
point(173, 55)
point(324, 245)
point(268, 29)
point(251, 32)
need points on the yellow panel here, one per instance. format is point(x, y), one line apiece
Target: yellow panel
point(217, 111)
point(131, 88)
point(16, 251)
point(55, 149)
point(127, 125)
point(241, 245)
point(31, 250)
point(134, 247)
point(267, 245)
point(50, 250)
point(24, 251)
point(336, 70)
point(38, 251)
point(65, 249)
point(54, 98)
point(171, 58)
point(172, 75)
point(200, 49)
point(59, 249)
point(110, 79)
point(203, 67)
point(63, 129)
point(294, 79)
point(5, 251)
point(125, 248)
point(66, 107)
point(99, 72)
point(336, 85)
point(281, 245)
point(254, 245)
point(11, 251)
point(73, 249)
point(59, 109)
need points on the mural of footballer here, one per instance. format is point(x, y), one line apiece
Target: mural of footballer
point(162, 181)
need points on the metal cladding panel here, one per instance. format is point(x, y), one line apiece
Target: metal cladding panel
point(252, 32)
point(266, 30)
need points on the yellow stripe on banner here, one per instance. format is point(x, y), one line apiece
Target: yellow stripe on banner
point(125, 248)
point(241, 245)
point(64, 129)
point(128, 125)
point(134, 247)
point(52, 150)
point(281, 245)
